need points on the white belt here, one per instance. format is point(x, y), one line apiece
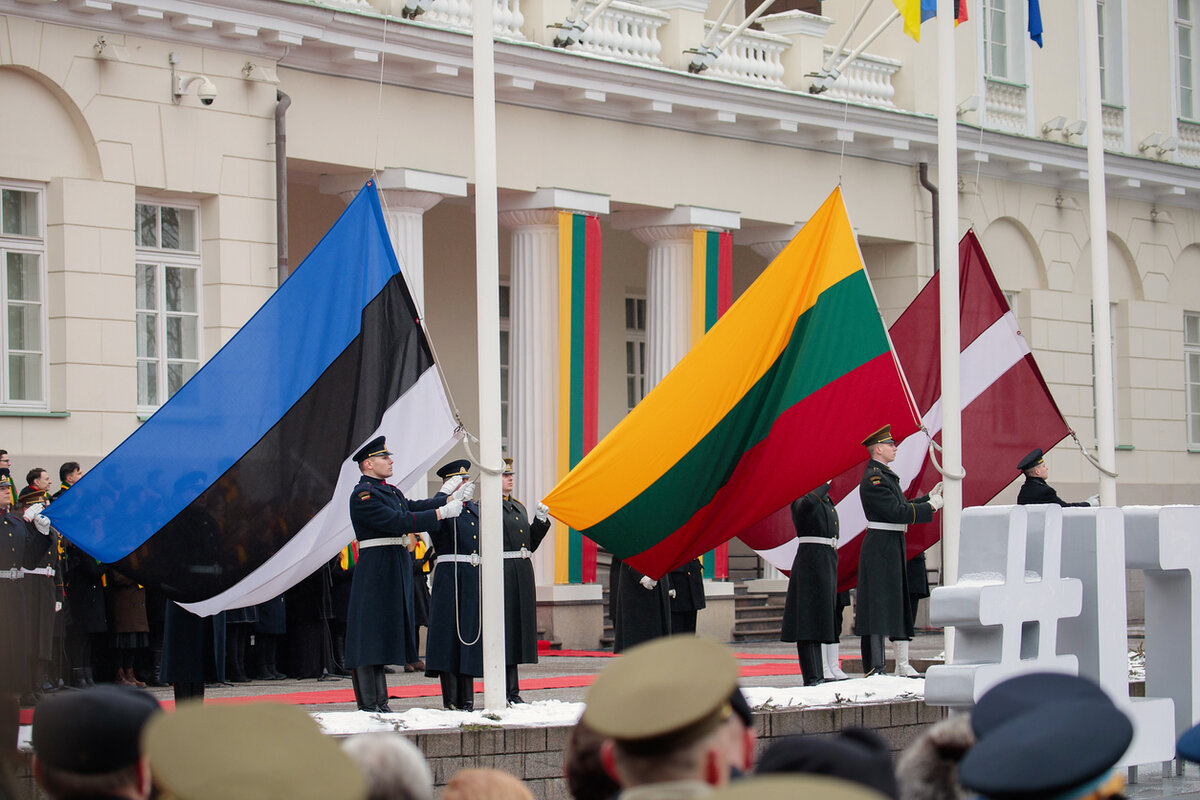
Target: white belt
point(14, 574)
point(886, 526)
point(474, 560)
point(817, 540)
point(47, 571)
point(522, 553)
point(363, 544)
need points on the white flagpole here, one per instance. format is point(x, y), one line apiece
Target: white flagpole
point(487, 279)
point(1097, 206)
point(947, 245)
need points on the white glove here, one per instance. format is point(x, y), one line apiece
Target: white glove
point(451, 484)
point(672, 594)
point(936, 491)
point(1094, 500)
point(543, 513)
point(57, 605)
point(465, 492)
point(33, 511)
point(452, 509)
point(647, 583)
point(42, 523)
point(936, 502)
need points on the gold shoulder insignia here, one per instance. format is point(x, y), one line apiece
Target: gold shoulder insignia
point(364, 495)
point(875, 480)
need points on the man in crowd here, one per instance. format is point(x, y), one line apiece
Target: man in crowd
point(1035, 490)
point(521, 539)
point(42, 586)
point(87, 744)
point(68, 474)
point(380, 629)
point(883, 599)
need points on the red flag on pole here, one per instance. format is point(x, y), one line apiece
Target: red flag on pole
point(1007, 411)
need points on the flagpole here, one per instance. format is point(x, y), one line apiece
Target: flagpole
point(1097, 205)
point(947, 245)
point(487, 280)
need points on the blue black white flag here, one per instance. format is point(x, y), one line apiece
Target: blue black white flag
point(238, 487)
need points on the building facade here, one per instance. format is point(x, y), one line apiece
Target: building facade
point(138, 178)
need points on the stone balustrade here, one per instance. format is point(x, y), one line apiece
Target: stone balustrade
point(755, 57)
point(867, 80)
point(1006, 106)
point(1112, 120)
point(625, 32)
point(507, 21)
point(1189, 143)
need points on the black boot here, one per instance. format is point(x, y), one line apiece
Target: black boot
point(809, 655)
point(466, 692)
point(512, 685)
point(339, 656)
point(90, 678)
point(188, 690)
point(78, 678)
point(272, 647)
point(363, 679)
point(874, 657)
point(155, 676)
point(235, 671)
point(449, 691)
point(43, 681)
point(381, 692)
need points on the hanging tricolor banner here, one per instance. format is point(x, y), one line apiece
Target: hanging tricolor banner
point(774, 399)
point(914, 12)
point(712, 293)
point(1007, 410)
point(578, 374)
point(239, 486)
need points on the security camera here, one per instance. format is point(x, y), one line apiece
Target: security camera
point(207, 92)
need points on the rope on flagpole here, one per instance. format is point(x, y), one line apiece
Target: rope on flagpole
point(934, 447)
point(1091, 458)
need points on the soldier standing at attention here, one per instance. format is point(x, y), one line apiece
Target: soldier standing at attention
point(1035, 490)
point(810, 612)
point(380, 628)
point(883, 602)
point(520, 599)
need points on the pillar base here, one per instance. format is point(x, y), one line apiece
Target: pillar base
point(572, 614)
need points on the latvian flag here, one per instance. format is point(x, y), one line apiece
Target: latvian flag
point(1007, 410)
point(774, 398)
point(238, 487)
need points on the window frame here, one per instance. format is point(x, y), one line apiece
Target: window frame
point(27, 245)
point(637, 337)
point(1189, 380)
point(1190, 25)
point(161, 259)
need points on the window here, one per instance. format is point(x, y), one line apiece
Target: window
point(1185, 66)
point(1112, 55)
point(995, 39)
point(505, 360)
point(22, 294)
point(1004, 50)
point(1191, 360)
point(635, 351)
point(167, 300)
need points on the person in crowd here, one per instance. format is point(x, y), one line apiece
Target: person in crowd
point(193, 651)
point(521, 539)
point(22, 546)
point(84, 585)
point(87, 744)
point(6, 472)
point(423, 561)
point(260, 750)
point(454, 649)
point(1188, 746)
point(308, 608)
point(809, 613)
point(270, 627)
point(485, 784)
point(42, 588)
point(1046, 736)
point(239, 622)
point(583, 769)
point(341, 569)
point(1035, 490)
point(670, 732)
point(643, 608)
point(68, 474)
point(928, 768)
point(381, 628)
point(130, 628)
point(687, 596)
point(394, 767)
point(883, 598)
point(856, 754)
point(792, 787)
point(38, 480)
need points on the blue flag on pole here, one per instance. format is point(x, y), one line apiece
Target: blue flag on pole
point(238, 487)
point(1035, 22)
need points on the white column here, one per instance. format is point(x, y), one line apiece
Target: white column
point(668, 298)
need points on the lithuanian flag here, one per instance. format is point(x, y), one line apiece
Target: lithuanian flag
point(770, 403)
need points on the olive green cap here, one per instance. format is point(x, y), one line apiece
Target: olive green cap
point(261, 751)
point(884, 434)
point(791, 787)
point(663, 694)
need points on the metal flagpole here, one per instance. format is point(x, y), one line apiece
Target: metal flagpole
point(947, 245)
point(487, 279)
point(1097, 205)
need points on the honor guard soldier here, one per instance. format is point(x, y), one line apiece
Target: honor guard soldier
point(667, 709)
point(810, 612)
point(521, 539)
point(454, 647)
point(884, 607)
point(380, 629)
point(42, 586)
point(22, 546)
point(1035, 490)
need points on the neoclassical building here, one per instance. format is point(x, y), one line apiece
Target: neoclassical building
point(145, 200)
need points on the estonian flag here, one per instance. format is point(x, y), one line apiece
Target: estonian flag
point(238, 487)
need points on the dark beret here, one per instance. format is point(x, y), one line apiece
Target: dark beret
point(93, 731)
point(1021, 694)
point(857, 755)
point(1189, 745)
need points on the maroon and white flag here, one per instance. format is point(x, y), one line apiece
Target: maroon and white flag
point(1007, 411)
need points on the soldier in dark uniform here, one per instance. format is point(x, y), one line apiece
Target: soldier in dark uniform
point(810, 610)
point(380, 628)
point(22, 546)
point(1035, 490)
point(643, 608)
point(83, 584)
point(521, 539)
point(687, 596)
point(883, 600)
point(42, 587)
point(454, 647)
